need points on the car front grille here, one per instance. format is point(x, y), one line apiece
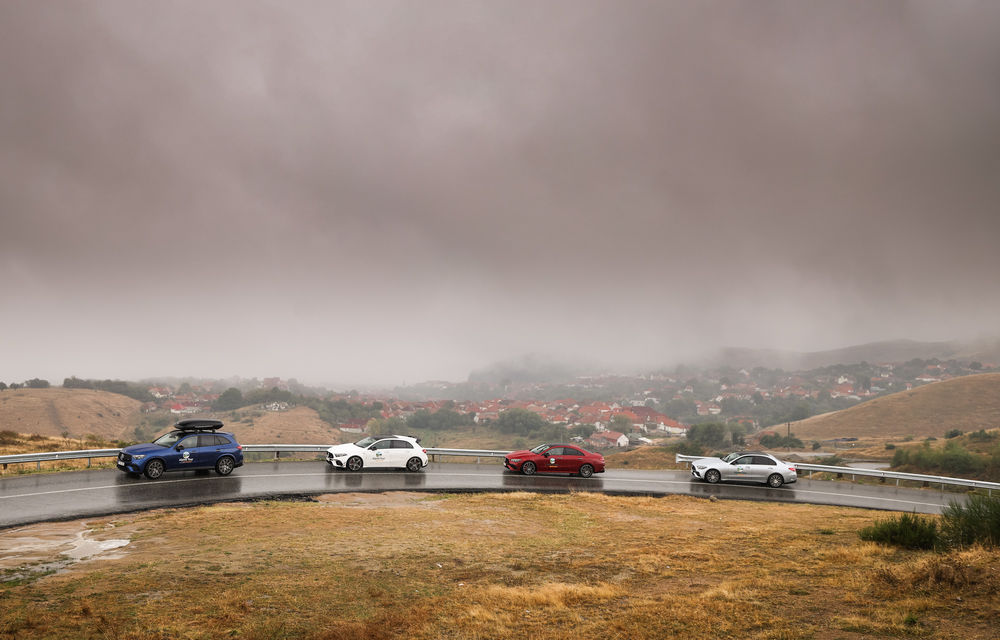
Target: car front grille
point(124, 457)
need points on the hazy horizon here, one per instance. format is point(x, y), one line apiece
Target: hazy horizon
point(373, 193)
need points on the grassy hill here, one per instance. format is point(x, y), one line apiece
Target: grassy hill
point(969, 403)
point(77, 412)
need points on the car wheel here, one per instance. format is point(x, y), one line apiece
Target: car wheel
point(528, 468)
point(354, 463)
point(154, 469)
point(586, 471)
point(225, 466)
point(775, 480)
point(414, 464)
point(712, 476)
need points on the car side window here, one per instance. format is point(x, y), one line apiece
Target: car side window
point(215, 441)
point(763, 461)
point(569, 451)
point(401, 444)
point(743, 460)
point(554, 451)
point(383, 444)
point(190, 442)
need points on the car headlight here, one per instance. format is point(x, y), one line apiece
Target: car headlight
point(139, 457)
point(338, 455)
point(515, 459)
point(699, 467)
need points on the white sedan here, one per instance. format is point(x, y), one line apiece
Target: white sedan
point(401, 452)
point(747, 466)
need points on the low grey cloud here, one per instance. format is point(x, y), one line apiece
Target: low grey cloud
point(379, 192)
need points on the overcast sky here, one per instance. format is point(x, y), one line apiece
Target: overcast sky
point(386, 192)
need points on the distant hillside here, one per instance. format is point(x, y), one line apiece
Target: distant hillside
point(873, 353)
point(969, 403)
point(78, 412)
point(300, 425)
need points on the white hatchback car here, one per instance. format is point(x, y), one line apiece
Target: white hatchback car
point(745, 466)
point(401, 452)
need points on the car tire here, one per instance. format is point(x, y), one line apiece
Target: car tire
point(528, 468)
point(154, 469)
point(712, 476)
point(586, 471)
point(775, 480)
point(225, 465)
point(414, 464)
point(355, 463)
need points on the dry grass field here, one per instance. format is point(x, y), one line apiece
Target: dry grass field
point(504, 566)
point(969, 403)
point(78, 412)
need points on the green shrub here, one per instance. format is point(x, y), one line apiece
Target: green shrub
point(889, 446)
point(953, 433)
point(977, 521)
point(907, 530)
point(953, 459)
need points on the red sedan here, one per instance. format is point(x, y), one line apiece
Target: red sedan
point(555, 458)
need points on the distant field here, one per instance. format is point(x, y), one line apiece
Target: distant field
point(491, 566)
point(969, 403)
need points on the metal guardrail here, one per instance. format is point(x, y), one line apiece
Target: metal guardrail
point(38, 458)
point(878, 473)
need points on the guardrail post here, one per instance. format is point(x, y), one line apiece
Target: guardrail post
point(38, 465)
point(88, 462)
point(277, 454)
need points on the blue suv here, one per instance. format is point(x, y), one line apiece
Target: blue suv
point(193, 444)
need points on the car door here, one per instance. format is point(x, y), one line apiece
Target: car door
point(401, 452)
point(211, 447)
point(763, 467)
point(552, 461)
point(740, 469)
point(184, 454)
point(570, 460)
point(379, 454)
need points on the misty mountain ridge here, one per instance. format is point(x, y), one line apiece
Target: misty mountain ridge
point(537, 368)
point(888, 351)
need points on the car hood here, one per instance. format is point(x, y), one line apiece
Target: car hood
point(523, 453)
point(349, 447)
point(706, 461)
point(145, 448)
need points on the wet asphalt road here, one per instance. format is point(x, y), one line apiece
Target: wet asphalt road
point(76, 494)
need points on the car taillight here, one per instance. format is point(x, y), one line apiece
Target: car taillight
point(239, 447)
point(791, 468)
point(424, 450)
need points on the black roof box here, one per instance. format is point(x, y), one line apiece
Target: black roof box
point(198, 424)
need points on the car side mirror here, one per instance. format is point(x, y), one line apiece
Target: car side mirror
point(179, 447)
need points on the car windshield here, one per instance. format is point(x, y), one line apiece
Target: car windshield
point(366, 442)
point(540, 448)
point(732, 456)
point(169, 439)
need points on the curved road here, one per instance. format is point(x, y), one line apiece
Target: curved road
point(76, 494)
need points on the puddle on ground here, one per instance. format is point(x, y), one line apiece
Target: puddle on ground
point(53, 548)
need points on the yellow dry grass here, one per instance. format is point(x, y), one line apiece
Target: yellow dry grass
point(405, 565)
point(969, 403)
point(300, 425)
point(79, 412)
